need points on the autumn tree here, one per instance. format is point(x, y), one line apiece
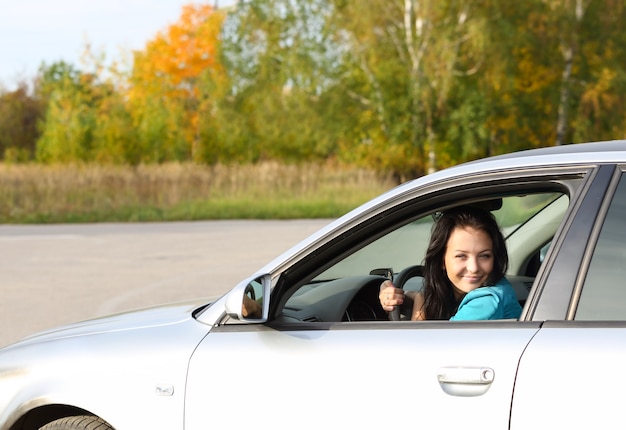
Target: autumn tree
point(20, 111)
point(598, 78)
point(557, 73)
point(164, 97)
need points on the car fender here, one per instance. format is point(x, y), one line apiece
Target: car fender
point(95, 373)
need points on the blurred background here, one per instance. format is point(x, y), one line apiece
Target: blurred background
point(308, 106)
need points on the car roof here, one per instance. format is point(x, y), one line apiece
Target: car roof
point(565, 155)
point(572, 154)
point(563, 150)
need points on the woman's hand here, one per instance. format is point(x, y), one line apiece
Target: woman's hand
point(251, 308)
point(390, 296)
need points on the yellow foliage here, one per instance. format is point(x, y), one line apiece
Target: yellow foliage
point(600, 95)
point(533, 75)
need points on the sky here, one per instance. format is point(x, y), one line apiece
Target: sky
point(36, 31)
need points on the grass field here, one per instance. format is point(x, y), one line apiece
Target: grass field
point(33, 193)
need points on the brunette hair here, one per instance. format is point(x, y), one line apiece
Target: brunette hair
point(439, 300)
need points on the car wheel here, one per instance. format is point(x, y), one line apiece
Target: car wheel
point(80, 422)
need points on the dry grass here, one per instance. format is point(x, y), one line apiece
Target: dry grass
point(175, 191)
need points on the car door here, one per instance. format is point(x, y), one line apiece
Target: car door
point(571, 374)
point(318, 372)
point(357, 375)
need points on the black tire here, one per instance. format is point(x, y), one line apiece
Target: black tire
point(79, 422)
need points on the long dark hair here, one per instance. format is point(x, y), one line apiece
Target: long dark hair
point(439, 300)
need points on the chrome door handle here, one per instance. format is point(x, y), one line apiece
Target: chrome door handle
point(465, 381)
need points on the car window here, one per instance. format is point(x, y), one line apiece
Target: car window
point(603, 295)
point(518, 216)
point(528, 222)
point(401, 248)
point(519, 210)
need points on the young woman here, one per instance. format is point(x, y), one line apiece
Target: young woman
point(464, 278)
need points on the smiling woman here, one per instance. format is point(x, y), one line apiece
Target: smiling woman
point(465, 263)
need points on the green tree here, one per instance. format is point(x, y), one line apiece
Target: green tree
point(282, 63)
point(67, 125)
point(406, 56)
point(85, 120)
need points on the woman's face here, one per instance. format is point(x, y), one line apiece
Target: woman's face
point(468, 259)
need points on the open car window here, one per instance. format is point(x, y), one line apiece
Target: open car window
point(348, 290)
point(518, 217)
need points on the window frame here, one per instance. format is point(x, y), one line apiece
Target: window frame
point(618, 176)
point(421, 201)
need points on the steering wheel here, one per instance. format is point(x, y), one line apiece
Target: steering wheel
point(399, 280)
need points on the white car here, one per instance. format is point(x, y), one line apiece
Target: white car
point(324, 354)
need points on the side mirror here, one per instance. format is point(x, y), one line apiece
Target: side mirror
point(249, 300)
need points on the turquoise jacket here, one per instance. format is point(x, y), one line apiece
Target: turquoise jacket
point(489, 303)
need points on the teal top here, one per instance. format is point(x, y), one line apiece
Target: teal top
point(489, 303)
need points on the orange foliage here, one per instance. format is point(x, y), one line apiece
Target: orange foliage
point(185, 50)
point(165, 80)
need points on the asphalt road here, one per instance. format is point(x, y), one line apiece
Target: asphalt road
point(57, 274)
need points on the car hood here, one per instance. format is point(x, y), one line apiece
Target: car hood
point(158, 316)
point(105, 364)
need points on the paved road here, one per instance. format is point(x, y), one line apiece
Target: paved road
point(57, 274)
